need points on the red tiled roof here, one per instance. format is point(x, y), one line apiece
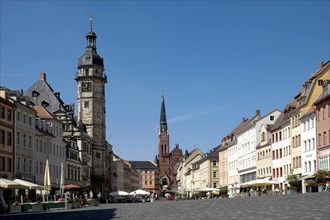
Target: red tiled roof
point(42, 112)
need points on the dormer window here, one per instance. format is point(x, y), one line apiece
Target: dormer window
point(35, 93)
point(44, 104)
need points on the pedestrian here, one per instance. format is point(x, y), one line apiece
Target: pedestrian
point(134, 197)
point(99, 196)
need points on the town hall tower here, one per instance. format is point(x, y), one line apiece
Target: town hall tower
point(91, 80)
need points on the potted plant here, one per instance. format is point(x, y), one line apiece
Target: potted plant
point(92, 202)
point(293, 182)
point(320, 176)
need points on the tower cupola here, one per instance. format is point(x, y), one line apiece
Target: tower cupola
point(90, 57)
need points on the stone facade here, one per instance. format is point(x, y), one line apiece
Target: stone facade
point(91, 81)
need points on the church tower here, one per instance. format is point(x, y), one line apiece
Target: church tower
point(167, 161)
point(91, 80)
point(163, 148)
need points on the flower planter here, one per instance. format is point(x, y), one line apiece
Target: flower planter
point(26, 207)
point(15, 208)
point(76, 205)
point(320, 188)
point(69, 206)
point(93, 203)
point(37, 207)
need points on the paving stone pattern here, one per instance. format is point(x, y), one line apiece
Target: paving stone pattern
point(297, 206)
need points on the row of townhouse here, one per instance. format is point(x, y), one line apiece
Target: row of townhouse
point(33, 131)
point(29, 136)
point(129, 176)
point(295, 140)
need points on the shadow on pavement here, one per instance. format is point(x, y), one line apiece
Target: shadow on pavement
point(100, 214)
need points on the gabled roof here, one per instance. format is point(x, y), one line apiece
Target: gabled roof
point(45, 93)
point(249, 121)
point(143, 164)
point(325, 93)
point(192, 155)
point(284, 116)
point(42, 112)
point(310, 111)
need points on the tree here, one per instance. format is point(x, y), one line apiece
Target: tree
point(320, 175)
point(293, 181)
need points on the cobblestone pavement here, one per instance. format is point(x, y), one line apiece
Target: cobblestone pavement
point(297, 206)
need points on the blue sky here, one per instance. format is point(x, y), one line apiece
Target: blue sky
point(218, 61)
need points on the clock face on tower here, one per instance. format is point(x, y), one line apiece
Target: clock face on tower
point(86, 86)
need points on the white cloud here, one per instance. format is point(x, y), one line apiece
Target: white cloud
point(189, 116)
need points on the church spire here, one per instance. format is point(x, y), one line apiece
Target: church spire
point(163, 122)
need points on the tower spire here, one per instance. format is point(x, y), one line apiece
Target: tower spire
point(163, 121)
point(90, 20)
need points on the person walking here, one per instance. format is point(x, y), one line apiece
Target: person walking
point(99, 196)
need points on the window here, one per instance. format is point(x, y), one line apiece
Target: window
point(2, 112)
point(9, 114)
point(37, 167)
point(18, 118)
point(30, 166)
point(24, 118)
point(9, 169)
point(30, 141)
point(272, 117)
point(214, 174)
point(30, 120)
point(214, 162)
point(24, 165)
point(2, 137)
point(9, 141)
point(2, 163)
point(18, 163)
point(324, 138)
point(24, 140)
point(86, 104)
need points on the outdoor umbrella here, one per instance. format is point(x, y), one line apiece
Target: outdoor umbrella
point(28, 184)
point(62, 181)
point(139, 192)
point(208, 189)
point(9, 184)
point(71, 186)
point(47, 183)
point(119, 193)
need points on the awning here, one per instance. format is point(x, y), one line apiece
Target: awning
point(311, 176)
point(119, 193)
point(29, 184)
point(71, 186)
point(139, 192)
point(9, 184)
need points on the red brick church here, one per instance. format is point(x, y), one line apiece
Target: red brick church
point(166, 160)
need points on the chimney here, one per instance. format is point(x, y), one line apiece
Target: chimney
point(243, 119)
point(42, 76)
point(258, 112)
point(321, 64)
